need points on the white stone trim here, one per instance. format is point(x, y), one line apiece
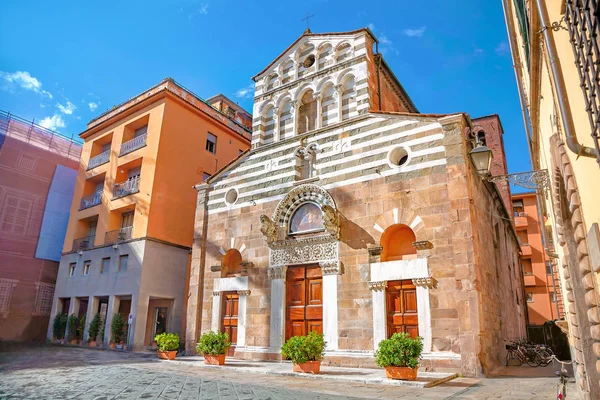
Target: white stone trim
point(216, 312)
point(230, 284)
point(241, 333)
point(277, 317)
point(330, 310)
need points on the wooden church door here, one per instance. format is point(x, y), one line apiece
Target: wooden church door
point(229, 321)
point(401, 304)
point(304, 301)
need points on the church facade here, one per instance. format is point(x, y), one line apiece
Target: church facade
point(354, 215)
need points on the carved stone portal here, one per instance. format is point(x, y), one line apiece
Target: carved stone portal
point(269, 229)
point(428, 282)
point(378, 285)
point(331, 267)
point(277, 272)
point(331, 220)
point(303, 251)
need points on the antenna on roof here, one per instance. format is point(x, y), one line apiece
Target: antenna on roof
point(307, 18)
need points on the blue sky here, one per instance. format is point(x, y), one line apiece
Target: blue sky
point(65, 62)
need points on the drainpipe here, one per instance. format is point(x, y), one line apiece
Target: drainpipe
point(561, 92)
point(378, 72)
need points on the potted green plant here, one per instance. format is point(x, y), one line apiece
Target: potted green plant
point(306, 352)
point(116, 328)
point(59, 327)
point(400, 355)
point(81, 328)
point(168, 344)
point(213, 346)
point(73, 327)
point(93, 330)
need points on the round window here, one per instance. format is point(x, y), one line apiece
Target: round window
point(231, 196)
point(398, 157)
point(309, 61)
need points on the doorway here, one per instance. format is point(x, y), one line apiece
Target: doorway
point(401, 306)
point(304, 300)
point(229, 319)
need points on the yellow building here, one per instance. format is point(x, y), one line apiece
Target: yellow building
point(555, 49)
point(131, 226)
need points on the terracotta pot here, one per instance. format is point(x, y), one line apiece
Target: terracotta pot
point(214, 360)
point(167, 355)
point(74, 341)
point(404, 373)
point(309, 367)
point(92, 343)
point(112, 346)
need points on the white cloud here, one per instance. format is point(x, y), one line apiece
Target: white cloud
point(92, 106)
point(53, 123)
point(24, 80)
point(246, 92)
point(67, 109)
point(201, 10)
point(477, 50)
point(415, 32)
point(502, 48)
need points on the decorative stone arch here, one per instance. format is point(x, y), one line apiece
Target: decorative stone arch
point(323, 82)
point(303, 89)
point(342, 76)
point(401, 216)
point(322, 45)
point(296, 197)
point(234, 243)
point(263, 106)
point(286, 96)
point(584, 315)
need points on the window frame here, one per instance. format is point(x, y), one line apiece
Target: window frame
point(104, 270)
point(121, 258)
point(529, 297)
point(211, 144)
point(72, 268)
point(86, 267)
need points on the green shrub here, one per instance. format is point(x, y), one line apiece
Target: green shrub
point(81, 326)
point(399, 351)
point(59, 326)
point(213, 343)
point(167, 341)
point(73, 326)
point(94, 328)
point(301, 349)
point(116, 328)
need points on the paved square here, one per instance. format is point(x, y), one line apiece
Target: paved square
point(54, 372)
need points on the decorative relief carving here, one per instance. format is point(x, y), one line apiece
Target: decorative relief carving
point(428, 282)
point(245, 266)
point(277, 272)
point(331, 220)
point(268, 228)
point(288, 252)
point(243, 293)
point(378, 285)
point(216, 293)
point(297, 196)
point(331, 268)
point(215, 268)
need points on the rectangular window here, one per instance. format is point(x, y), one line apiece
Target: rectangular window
point(105, 265)
point(549, 269)
point(140, 131)
point(86, 267)
point(6, 288)
point(123, 263)
point(205, 176)
point(553, 297)
point(527, 267)
point(72, 269)
point(15, 215)
point(211, 143)
point(529, 297)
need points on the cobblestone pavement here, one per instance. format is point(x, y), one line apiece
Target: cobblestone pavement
point(52, 372)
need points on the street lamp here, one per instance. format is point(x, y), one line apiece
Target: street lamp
point(481, 156)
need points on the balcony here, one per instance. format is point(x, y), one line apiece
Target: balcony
point(529, 280)
point(130, 186)
point(525, 250)
point(100, 159)
point(90, 201)
point(118, 235)
point(521, 221)
point(84, 243)
point(133, 144)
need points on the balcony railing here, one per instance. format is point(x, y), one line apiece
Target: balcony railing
point(126, 188)
point(118, 235)
point(133, 144)
point(84, 243)
point(90, 201)
point(100, 159)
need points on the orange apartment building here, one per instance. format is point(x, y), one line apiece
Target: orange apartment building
point(128, 243)
point(543, 301)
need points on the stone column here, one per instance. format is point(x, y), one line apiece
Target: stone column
point(73, 309)
point(338, 95)
point(216, 312)
point(276, 126)
point(379, 312)
point(277, 276)
point(241, 334)
point(424, 310)
point(331, 273)
point(92, 305)
point(113, 308)
point(137, 333)
point(295, 110)
point(319, 121)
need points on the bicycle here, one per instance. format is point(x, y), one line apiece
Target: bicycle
point(561, 389)
point(521, 354)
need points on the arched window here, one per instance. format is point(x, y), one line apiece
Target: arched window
point(286, 128)
point(307, 113)
point(397, 242)
point(343, 52)
point(349, 98)
point(270, 82)
point(287, 72)
point(328, 106)
point(324, 56)
point(307, 218)
point(268, 124)
point(306, 60)
point(230, 266)
point(305, 160)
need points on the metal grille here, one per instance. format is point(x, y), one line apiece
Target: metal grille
point(582, 18)
point(6, 287)
point(43, 301)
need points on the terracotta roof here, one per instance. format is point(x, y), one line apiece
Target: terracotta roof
point(308, 33)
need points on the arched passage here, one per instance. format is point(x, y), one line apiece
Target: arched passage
point(230, 266)
point(397, 242)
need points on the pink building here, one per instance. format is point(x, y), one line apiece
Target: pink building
point(38, 168)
